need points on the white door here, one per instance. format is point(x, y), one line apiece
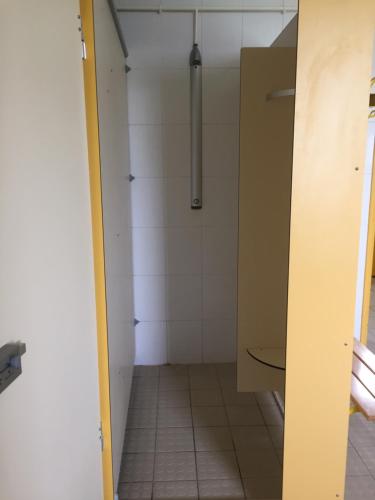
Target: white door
point(49, 439)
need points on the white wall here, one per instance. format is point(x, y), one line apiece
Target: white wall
point(185, 261)
point(115, 164)
point(49, 436)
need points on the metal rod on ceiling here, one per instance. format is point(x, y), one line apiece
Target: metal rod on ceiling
point(160, 10)
point(116, 21)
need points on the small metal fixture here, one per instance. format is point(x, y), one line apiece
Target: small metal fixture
point(280, 93)
point(127, 69)
point(131, 177)
point(196, 126)
point(10, 363)
point(136, 321)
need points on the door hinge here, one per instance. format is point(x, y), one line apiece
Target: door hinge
point(101, 437)
point(83, 43)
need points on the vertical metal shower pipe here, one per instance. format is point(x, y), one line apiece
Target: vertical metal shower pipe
point(196, 121)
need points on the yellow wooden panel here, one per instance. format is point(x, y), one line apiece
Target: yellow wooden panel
point(332, 91)
point(266, 140)
point(370, 262)
point(89, 71)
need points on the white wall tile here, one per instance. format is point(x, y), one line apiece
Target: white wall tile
point(176, 150)
point(136, 3)
point(147, 195)
point(291, 4)
point(175, 95)
point(151, 343)
point(219, 341)
point(219, 296)
point(196, 247)
point(179, 212)
point(184, 250)
point(219, 250)
point(176, 39)
point(261, 28)
point(184, 297)
point(223, 50)
point(146, 150)
point(188, 4)
point(221, 95)
point(142, 32)
point(150, 298)
point(184, 341)
point(220, 150)
point(263, 3)
point(221, 201)
point(144, 97)
point(149, 250)
point(222, 3)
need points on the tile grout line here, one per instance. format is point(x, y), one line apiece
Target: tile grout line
point(156, 433)
point(269, 433)
point(193, 428)
point(231, 433)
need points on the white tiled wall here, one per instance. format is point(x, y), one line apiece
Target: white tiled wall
point(185, 260)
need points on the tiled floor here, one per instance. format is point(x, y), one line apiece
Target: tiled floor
point(191, 435)
point(360, 480)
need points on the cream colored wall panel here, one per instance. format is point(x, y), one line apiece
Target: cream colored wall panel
point(266, 137)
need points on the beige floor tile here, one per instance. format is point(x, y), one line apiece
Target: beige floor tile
point(137, 467)
point(135, 491)
point(367, 455)
point(145, 384)
point(174, 417)
point(174, 383)
point(264, 398)
point(244, 415)
point(174, 399)
point(266, 487)
point(360, 488)
point(185, 490)
point(216, 489)
point(234, 398)
point(208, 397)
point(141, 418)
point(143, 399)
point(217, 465)
point(277, 435)
point(173, 370)
point(209, 416)
point(260, 462)
point(213, 439)
point(175, 467)
point(175, 439)
point(140, 440)
point(228, 381)
point(272, 414)
point(251, 437)
point(202, 370)
point(354, 464)
point(146, 371)
point(201, 382)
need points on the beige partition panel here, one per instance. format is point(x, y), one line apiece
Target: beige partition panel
point(115, 163)
point(266, 140)
point(333, 75)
